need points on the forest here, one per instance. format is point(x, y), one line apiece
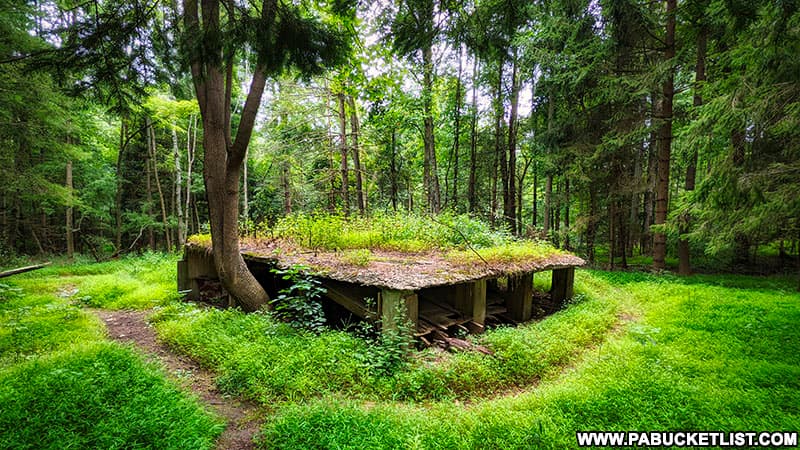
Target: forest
point(659, 141)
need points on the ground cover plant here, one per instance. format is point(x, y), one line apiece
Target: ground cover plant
point(63, 385)
point(704, 352)
point(632, 351)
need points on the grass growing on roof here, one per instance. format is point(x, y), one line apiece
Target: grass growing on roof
point(63, 385)
point(393, 232)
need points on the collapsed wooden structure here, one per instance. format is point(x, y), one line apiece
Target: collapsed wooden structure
point(434, 293)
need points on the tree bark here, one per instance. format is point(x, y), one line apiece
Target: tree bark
point(68, 226)
point(684, 261)
point(286, 186)
point(511, 208)
point(151, 238)
point(499, 148)
point(191, 143)
point(665, 141)
point(535, 212)
point(566, 213)
point(222, 163)
point(151, 147)
point(646, 243)
point(548, 185)
point(123, 144)
point(393, 170)
point(430, 171)
point(354, 132)
point(176, 153)
point(457, 130)
point(473, 157)
point(345, 188)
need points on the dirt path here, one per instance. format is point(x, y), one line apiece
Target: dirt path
point(242, 417)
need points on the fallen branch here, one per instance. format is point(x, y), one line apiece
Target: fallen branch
point(8, 273)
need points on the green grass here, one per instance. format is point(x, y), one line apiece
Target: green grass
point(634, 351)
point(98, 395)
point(63, 385)
point(268, 361)
point(698, 353)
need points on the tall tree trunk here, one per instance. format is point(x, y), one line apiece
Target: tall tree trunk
point(151, 237)
point(345, 189)
point(123, 144)
point(457, 130)
point(499, 148)
point(430, 172)
point(245, 196)
point(68, 226)
point(178, 187)
point(612, 233)
point(635, 234)
point(511, 208)
point(493, 212)
point(331, 151)
point(354, 132)
point(151, 147)
point(591, 225)
point(393, 170)
point(223, 158)
point(535, 194)
point(548, 204)
point(684, 262)
point(566, 213)
point(286, 185)
point(473, 157)
point(548, 185)
point(520, 185)
point(665, 141)
point(191, 143)
point(650, 193)
point(556, 221)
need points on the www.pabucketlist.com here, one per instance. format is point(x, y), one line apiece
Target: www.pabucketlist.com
point(679, 439)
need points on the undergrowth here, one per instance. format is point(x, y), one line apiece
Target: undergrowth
point(268, 360)
point(632, 352)
point(63, 385)
point(687, 354)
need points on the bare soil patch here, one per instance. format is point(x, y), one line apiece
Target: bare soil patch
point(243, 417)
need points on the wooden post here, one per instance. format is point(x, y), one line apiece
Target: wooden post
point(519, 300)
point(199, 264)
point(391, 301)
point(470, 300)
point(183, 276)
point(562, 285)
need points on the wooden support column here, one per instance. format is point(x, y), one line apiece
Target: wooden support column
point(184, 283)
point(519, 300)
point(199, 264)
point(470, 300)
point(391, 301)
point(562, 285)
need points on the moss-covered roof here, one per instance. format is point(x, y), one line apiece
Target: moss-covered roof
point(408, 270)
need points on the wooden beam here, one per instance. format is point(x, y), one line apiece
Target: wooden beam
point(183, 276)
point(352, 300)
point(391, 301)
point(478, 299)
point(519, 300)
point(199, 264)
point(8, 273)
point(561, 288)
